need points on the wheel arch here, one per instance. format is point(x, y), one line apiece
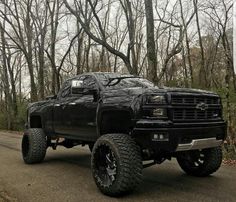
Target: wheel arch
point(114, 121)
point(35, 121)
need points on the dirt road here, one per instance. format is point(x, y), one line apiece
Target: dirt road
point(65, 176)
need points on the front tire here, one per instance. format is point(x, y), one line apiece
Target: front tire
point(200, 163)
point(34, 146)
point(116, 164)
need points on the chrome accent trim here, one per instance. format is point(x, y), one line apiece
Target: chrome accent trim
point(200, 144)
point(72, 103)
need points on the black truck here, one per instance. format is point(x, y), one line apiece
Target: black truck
point(128, 124)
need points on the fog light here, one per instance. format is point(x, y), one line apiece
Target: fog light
point(159, 113)
point(160, 137)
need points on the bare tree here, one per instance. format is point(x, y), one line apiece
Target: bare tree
point(40, 20)
point(102, 38)
point(54, 8)
point(21, 33)
point(6, 84)
point(202, 73)
point(151, 48)
point(187, 52)
point(178, 46)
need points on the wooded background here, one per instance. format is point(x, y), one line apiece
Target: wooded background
point(183, 43)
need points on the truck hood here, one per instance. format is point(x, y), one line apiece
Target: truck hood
point(36, 105)
point(188, 90)
point(142, 91)
point(132, 97)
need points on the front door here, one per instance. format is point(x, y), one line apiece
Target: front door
point(78, 112)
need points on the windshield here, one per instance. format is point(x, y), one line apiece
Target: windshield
point(125, 82)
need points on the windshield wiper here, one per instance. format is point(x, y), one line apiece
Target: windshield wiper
point(118, 80)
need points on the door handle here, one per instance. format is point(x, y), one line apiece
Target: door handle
point(72, 103)
point(57, 105)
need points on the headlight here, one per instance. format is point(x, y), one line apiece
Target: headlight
point(159, 113)
point(157, 99)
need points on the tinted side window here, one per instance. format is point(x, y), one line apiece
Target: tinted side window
point(89, 82)
point(65, 90)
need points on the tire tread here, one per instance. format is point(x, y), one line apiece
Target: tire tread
point(37, 146)
point(130, 163)
point(211, 165)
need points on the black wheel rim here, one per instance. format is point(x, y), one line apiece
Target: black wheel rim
point(25, 145)
point(105, 166)
point(195, 158)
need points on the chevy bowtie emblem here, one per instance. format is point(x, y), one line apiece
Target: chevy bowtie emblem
point(202, 106)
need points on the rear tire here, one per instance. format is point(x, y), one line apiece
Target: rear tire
point(116, 164)
point(34, 146)
point(200, 163)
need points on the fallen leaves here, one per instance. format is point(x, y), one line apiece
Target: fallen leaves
point(229, 162)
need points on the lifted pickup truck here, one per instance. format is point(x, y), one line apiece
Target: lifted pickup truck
point(128, 124)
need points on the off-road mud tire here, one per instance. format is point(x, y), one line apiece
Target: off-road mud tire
point(128, 160)
point(210, 163)
point(34, 146)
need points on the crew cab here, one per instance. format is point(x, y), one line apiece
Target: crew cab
point(128, 124)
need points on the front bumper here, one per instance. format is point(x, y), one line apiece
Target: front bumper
point(199, 144)
point(181, 136)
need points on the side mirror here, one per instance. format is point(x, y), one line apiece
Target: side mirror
point(51, 97)
point(77, 87)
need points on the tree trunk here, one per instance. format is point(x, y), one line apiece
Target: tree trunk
point(29, 57)
point(187, 47)
point(202, 72)
point(151, 50)
point(41, 69)
point(8, 100)
point(79, 49)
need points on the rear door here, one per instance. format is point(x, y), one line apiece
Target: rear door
point(59, 113)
